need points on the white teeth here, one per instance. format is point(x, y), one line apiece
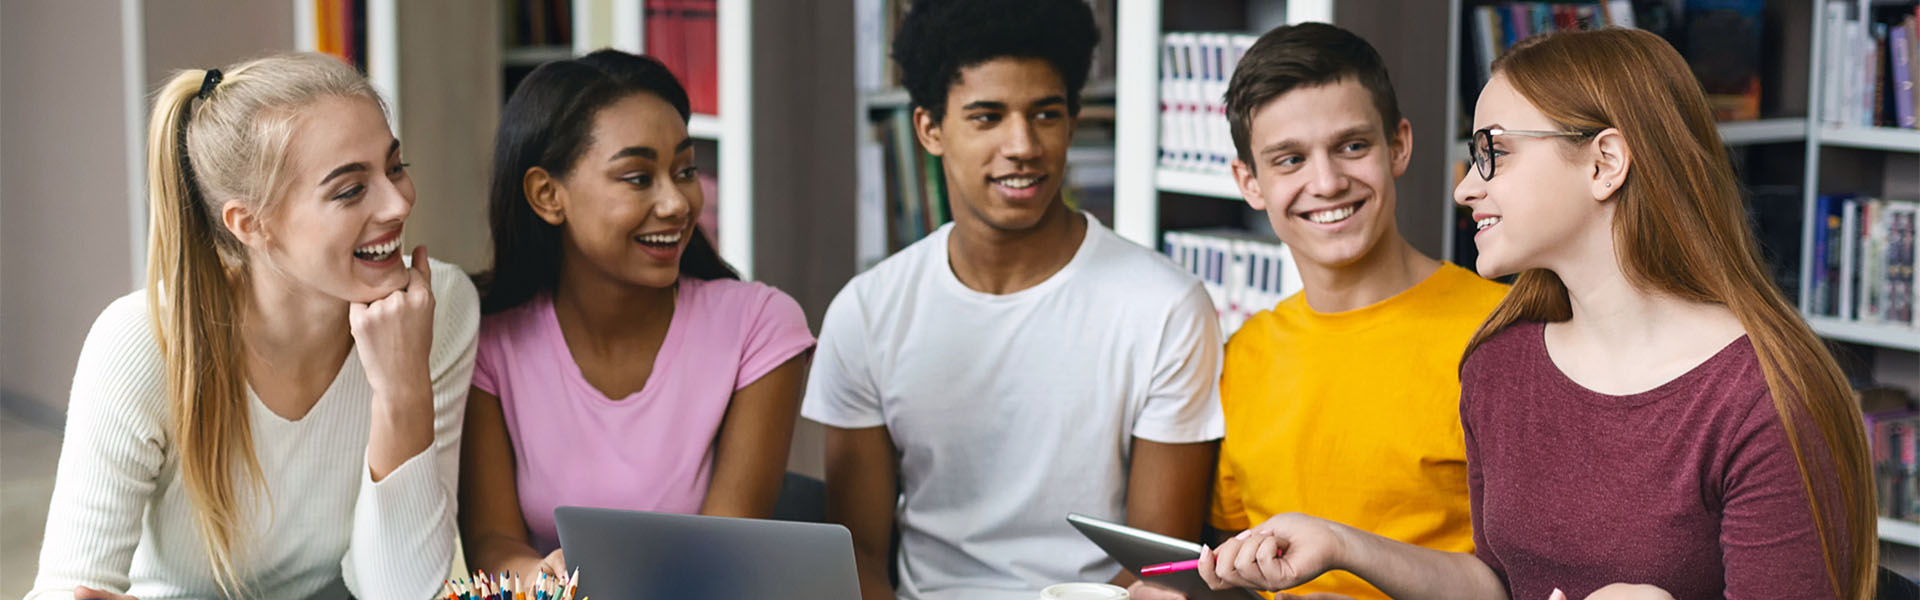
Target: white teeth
point(1487, 222)
point(660, 238)
point(1018, 183)
point(1333, 215)
point(379, 250)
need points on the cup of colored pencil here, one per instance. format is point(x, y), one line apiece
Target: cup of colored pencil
point(501, 586)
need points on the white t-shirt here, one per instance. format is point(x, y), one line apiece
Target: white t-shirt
point(1010, 411)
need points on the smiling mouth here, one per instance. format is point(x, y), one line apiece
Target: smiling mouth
point(1483, 224)
point(1019, 182)
point(1333, 215)
point(661, 240)
point(378, 252)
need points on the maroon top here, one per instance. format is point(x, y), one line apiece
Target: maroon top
point(1690, 486)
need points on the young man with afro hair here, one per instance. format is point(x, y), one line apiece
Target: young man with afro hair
point(1022, 362)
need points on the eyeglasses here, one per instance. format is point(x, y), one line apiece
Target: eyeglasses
point(1480, 150)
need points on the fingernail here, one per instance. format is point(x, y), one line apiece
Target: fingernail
point(1557, 595)
point(1264, 531)
point(1244, 534)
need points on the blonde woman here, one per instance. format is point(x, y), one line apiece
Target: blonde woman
point(1645, 407)
point(277, 413)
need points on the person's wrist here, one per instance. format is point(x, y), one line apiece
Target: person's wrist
point(1348, 549)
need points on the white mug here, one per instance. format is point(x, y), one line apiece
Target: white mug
point(1084, 591)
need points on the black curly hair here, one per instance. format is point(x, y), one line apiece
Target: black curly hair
point(938, 38)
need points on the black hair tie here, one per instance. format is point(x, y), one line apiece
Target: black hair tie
point(207, 85)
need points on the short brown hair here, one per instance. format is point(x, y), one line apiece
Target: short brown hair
point(1304, 55)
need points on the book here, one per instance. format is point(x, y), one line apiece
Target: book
point(1243, 272)
point(1196, 68)
point(1723, 49)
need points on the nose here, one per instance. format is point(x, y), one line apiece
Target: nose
point(675, 201)
point(1328, 179)
point(1021, 142)
point(395, 202)
point(1470, 189)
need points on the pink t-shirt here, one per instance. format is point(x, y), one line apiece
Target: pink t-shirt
point(652, 450)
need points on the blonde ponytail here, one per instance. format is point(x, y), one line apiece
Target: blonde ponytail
point(204, 151)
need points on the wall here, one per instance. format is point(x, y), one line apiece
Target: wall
point(64, 252)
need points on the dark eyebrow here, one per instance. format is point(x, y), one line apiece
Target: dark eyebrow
point(356, 167)
point(1284, 145)
point(984, 105)
point(1001, 106)
point(649, 153)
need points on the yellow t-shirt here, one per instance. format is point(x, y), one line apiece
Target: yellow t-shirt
point(1354, 417)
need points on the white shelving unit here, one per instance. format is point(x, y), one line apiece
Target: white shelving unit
point(1139, 179)
point(1211, 185)
point(1900, 532)
point(1820, 138)
point(1872, 138)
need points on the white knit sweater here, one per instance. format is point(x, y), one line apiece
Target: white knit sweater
point(121, 521)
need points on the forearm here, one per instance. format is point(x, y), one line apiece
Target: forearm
point(401, 427)
point(1403, 570)
point(874, 584)
point(501, 553)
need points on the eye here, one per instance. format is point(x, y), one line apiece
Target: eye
point(350, 193)
point(1290, 160)
point(1355, 147)
point(398, 168)
point(687, 174)
point(1050, 115)
point(641, 180)
point(984, 118)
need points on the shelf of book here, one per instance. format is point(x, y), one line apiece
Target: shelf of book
point(1871, 138)
point(1886, 336)
point(1212, 185)
point(1906, 533)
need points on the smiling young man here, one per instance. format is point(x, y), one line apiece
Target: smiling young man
point(1343, 400)
point(1024, 361)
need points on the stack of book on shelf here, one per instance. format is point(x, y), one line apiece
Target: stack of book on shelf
point(1194, 71)
point(685, 35)
point(916, 186)
point(1872, 66)
point(1893, 434)
point(1721, 40)
point(536, 23)
point(342, 30)
point(1244, 273)
point(1862, 269)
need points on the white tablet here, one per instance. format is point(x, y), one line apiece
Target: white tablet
point(1136, 549)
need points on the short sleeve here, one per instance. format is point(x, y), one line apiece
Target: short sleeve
point(776, 333)
point(841, 387)
point(1183, 396)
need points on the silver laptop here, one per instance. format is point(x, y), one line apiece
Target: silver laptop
point(628, 554)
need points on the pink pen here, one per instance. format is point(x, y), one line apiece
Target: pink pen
point(1175, 567)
